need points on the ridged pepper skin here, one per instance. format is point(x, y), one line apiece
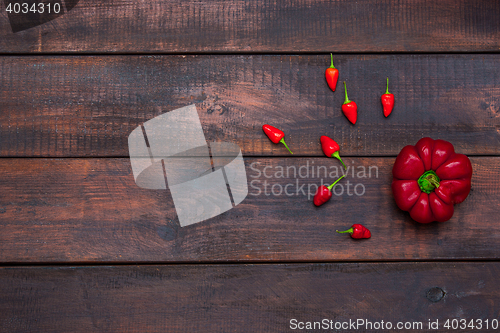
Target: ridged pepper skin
point(429, 178)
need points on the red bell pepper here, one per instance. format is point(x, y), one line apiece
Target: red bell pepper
point(429, 178)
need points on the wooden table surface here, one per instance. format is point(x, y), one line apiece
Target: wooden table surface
point(84, 249)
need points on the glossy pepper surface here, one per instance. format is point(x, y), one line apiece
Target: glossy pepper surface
point(429, 178)
point(324, 193)
point(349, 108)
point(330, 148)
point(357, 231)
point(275, 135)
point(387, 100)
point(332, 75)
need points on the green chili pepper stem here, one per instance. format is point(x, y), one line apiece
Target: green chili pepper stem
point(283, 142)
point(433, 181)
point(387, 90)
point(331, 186)
point(348, 231)
point(337, 156)
point(346, 98)
point(331, 56)
point(428, 182)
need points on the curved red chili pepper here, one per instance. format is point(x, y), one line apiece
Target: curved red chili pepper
point(332, 75)
point(330, 148)
point(349, 108)
point(324, 193)
point(387, 101)
point(429, 178)
point(275, 135)
point(357, 231)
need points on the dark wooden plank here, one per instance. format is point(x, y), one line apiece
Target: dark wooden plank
point(90, 210)
point(263, 26)
point(247, 298)
point(87, 106)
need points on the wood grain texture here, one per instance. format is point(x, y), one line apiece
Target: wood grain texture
point(263, 26)
point(84, 106)
point(90, 210)
point(244, 298)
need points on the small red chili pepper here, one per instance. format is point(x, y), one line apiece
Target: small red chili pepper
point(357, 231)
point(275, 135)
point(330, 148)
point(332, 75)
point(387, 101)
point(324, 193)
point(350, 108)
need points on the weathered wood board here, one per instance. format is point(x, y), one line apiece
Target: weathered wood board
point(83, 106)
point(179, 26)
point(247, 298)
point(90, 210)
